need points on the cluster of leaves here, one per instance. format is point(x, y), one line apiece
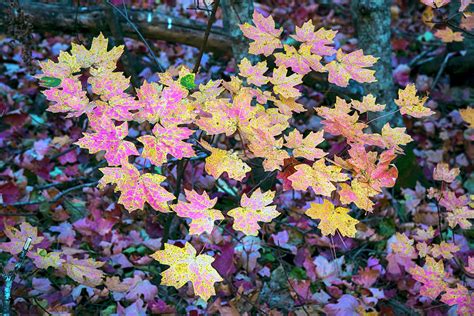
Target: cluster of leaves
point(237, 127)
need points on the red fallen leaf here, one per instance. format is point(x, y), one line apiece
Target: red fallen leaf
point(288, 169)
point(16, 119)
point(400, 44)
point(224, 263)
point(9, 193)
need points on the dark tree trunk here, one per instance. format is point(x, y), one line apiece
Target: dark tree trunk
point(56, 18)
point(372, 21)
point(236, 13)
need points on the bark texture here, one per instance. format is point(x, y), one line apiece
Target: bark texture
point(153, 25)
point(237, 12)
point(372, 21)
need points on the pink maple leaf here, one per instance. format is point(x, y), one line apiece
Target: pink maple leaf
point(137, 189)
point(109, 137)
point(266, 37)
point(200, 210)
point(167, 140)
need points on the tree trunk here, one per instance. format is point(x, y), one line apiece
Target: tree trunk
point(56, 18)
point(236, 13)
point(372, 21)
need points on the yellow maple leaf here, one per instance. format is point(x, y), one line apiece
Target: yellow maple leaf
point(392, 137)
point(97, 56)
point(221, 161)
point(442, 173)
point(186, 266)
point(305, 147)
point(467, 115)
point(448, 36)
point(368, 104)
point(254, 209)
point(359, 193)
point(411, 104)
point(332, 219)
point(319, 177)
point(253, 73)
point(285, 86)
point(351, 66)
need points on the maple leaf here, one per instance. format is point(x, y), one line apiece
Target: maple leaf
point(435, 3)
point(460, 216)
point(351, 66)
point(209, 91)
point(358, 193)
point(367, 170)
point(84, 271)
point(164, 104)
point(445, 250)
point(137, 189)
point(254, 74)
point(254, 209)
point(300, 61)
point(368, 104)
point(199, 210)
point(117, 108)
point(427, 17)
point(19, 237)
point(393, 137)
point(167, 140)
point(430, 276)
point(185, 266)
point(97, 56)
point(337, 121)
point(263, 144)
point(319, 41)
point(461, 297)
point(64, 68)
point(442, 173)
point(68, 98)
point(288, 105)
point(266, 37)
point(403, 246)
point(448, 36)
point(332, 219)
point(110, 139)
point(221, 116)
point(318, 177)
point(221, 161)
point(109, 85)
point(410, 104)
point(467, 115)
point(305, 147)
point(283, 85)
point(43, 259)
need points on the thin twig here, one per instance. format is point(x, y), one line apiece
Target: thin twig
point(125, 16)
point(441, 69)
point(10, 277)
point(212, 18)
point(55, 199)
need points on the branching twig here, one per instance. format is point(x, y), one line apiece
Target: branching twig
point(55, 199)
point(10, 277)
point(212, 18)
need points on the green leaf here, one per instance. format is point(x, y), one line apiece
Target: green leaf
point(387, 227)
point(50, 82)
point(129, 250)
point(188, 81)
point(298, 274)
